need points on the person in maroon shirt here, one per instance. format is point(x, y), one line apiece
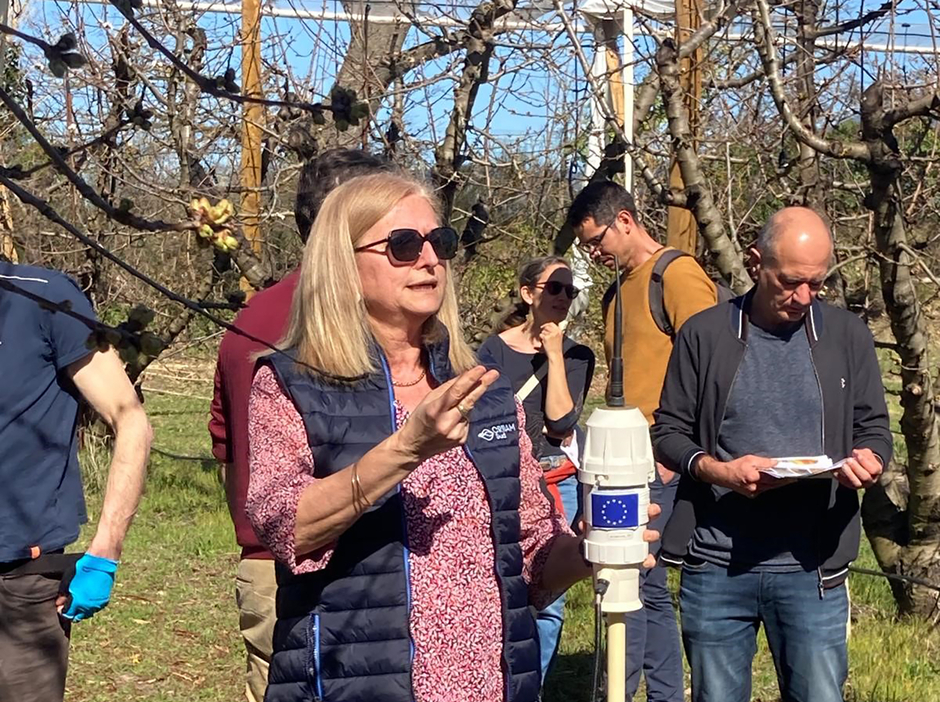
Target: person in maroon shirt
point(265, 317)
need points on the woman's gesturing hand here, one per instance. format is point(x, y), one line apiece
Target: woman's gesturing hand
point(439, 422)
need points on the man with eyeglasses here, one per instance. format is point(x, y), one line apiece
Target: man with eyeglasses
point(606, 222)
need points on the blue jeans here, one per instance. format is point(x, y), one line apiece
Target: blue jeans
point(550, 619)
point(652, 636)
point(721, 612)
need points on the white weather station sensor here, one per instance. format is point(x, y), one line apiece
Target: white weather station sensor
point(614, 476)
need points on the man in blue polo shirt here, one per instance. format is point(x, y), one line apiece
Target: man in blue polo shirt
point(46, 367)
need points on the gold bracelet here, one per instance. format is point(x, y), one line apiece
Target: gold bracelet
point(360, 501)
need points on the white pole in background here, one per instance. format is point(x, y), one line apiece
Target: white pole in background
point(628, 93)
point(597, 138)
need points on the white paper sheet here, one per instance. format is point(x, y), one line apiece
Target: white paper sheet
point(803, 466)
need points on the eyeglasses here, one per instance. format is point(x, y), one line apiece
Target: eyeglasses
point(405, 245)
point(553, 287)
point(592, 245)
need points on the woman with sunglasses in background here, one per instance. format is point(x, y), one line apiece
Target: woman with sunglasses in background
point(389, 479)
point(551, 376)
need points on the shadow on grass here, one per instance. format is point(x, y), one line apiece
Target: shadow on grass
point(570, 678)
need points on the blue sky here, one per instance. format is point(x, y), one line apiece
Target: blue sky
point(532, 98)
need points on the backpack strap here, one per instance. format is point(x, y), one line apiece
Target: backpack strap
point(533, 380)
point(657, 294)
point(541, 372)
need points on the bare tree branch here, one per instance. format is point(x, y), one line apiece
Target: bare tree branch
point(648, 89)
point(211, 86)
point(252, 267)
point(50, 213)
point(764, 37)
point(479, 48)
point(926, 106)
point(852, 24)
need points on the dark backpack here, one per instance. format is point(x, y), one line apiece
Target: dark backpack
point(656, 292)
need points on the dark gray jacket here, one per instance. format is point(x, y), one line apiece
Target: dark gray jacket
point(704, 361)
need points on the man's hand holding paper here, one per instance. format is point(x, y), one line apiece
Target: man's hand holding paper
point(747, 475)
point(860, 470)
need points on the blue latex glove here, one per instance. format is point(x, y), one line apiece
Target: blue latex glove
point(90, 589)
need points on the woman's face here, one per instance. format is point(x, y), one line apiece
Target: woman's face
point(549, 296)
point(398, 293)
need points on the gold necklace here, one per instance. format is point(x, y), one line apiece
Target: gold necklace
point(398, 384)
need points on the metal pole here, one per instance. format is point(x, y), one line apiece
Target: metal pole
point(628, 34)
point(501, 25)
point(252, 117)
point(596, 138)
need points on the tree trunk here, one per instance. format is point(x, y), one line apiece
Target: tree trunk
point(727, 254)
point(811, 189)
point(681, 227)
point(905, 538)
point(369, 45)
point(479, 46)
point(807, 17)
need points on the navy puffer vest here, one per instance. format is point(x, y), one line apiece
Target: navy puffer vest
point(342, 633)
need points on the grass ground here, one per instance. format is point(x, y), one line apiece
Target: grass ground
point(171, 631)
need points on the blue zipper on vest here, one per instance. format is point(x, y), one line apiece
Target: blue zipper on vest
point(315, 671)
point(404, 521)
point(499, 580)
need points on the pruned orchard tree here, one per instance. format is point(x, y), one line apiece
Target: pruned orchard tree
point(120, 147)
point(124, 122)
point(877, 144)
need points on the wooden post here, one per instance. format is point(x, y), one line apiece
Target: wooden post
point(620, 83)
point(7, 247)
point(615, 79)
point(681, 227)
point(6, 221)
point(252, 117)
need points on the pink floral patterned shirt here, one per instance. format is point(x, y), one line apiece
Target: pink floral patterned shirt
point(456, 615)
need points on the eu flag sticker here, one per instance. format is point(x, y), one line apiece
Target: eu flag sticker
point(615, 509)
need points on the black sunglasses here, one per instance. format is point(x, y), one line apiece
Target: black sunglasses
point(405, 245)
point(553, 287)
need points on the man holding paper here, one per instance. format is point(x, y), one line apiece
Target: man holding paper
point(774, 373)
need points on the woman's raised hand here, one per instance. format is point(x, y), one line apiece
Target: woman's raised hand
point(552, 338)
point(439, 422)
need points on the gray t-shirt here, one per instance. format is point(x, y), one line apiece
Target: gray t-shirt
point(774, 409)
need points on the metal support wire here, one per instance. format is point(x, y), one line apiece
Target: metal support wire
point(894, 576)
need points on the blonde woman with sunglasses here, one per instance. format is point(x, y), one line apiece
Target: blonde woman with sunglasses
point(389, 477)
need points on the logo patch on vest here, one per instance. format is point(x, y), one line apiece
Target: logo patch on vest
point(497, 431)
